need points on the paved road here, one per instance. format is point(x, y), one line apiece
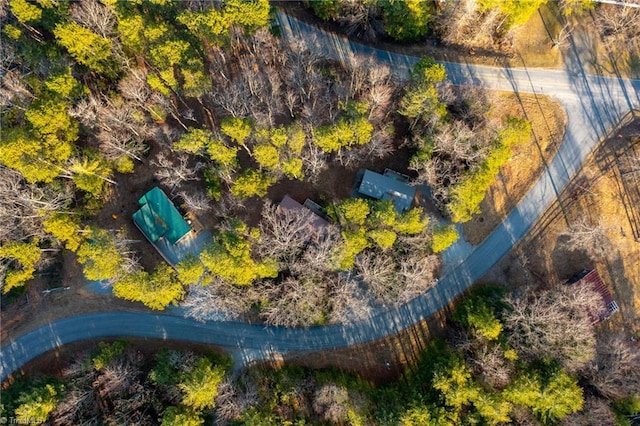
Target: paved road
point(593, 104)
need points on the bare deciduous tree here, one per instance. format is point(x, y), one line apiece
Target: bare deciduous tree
point(175, 173)
point(350, 302)
point(22, 205)
point(235, 398)
point(284, 232)
point(378, 271)
point(592, 238)
point(217, 301)
point(293, 302)
point(615, 371)
point(196, 201)
point(555, 323)
point(418, 273)
point(95, 16)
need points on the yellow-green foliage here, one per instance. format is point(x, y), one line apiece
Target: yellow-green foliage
point(12, 31)
point(353, 243)
point(229, 257)
point(24, 11)
point(344, 134)
point(90, 173)
point(65, 228)
point(517, 12)
point(214, 24)
point(353, 211)
point(493, 409)
point(467, 195)
point(238, 129)
point(252, 183)
point(38, 403)
point(279, 149)
point(200, 385)
point(551, 399)
point(86, 47)
point(384, 238)
point(26, 255)
point(411, 222)
point(421, 98)
point(406, 20)
point(107, 353)
point(63, 84)
point(373, 221)
point(195, 141)
point(181, 416)
point(190, 270)
point(99, 255)
point(443, 237)
point(156, 290)
point(456, 385)
point(40, 150)
point(225, 156)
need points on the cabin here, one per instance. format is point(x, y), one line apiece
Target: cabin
point(591, 278)
point(316, 221)
point(166, 228)
point(389, 186)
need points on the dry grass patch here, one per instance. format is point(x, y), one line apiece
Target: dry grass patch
point(548, 122)
point(534, 40)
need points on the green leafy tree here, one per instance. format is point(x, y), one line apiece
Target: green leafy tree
point(99, 255)
point(200, 385)
point(156, 290)
point(238, 129)
point(478, 312)
point(190, 270)
point(90, 173)
point(86, 47)
point(267, 156)
point(38, 403)
point(353, 243)
point(411, 222)
point(443, 237)
point(225, 156)
point(252, 183)
point(195, 141)
point(107, 352)
point(344, 134)
point(24, 11)
point(406, 20)
point(551, 395)
point(517, 12)
point(384, 238)
point(64, 85)
point(66, 228)
point(421, 99)
point(352, 211)
point(24, 254)
point(467, 195)
point(181, 416)
point(229, 257)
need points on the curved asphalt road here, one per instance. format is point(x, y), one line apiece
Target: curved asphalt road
point(593, 104)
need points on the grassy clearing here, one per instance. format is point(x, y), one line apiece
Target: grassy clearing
point(548, 123)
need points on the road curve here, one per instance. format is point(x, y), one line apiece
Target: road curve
point(593, 104)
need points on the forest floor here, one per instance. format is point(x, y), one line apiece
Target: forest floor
point(606, 192)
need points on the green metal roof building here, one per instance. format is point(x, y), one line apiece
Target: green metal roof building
point(159, 218)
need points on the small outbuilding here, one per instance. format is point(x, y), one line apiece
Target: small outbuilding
point(592, 280)
point(387, 187)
